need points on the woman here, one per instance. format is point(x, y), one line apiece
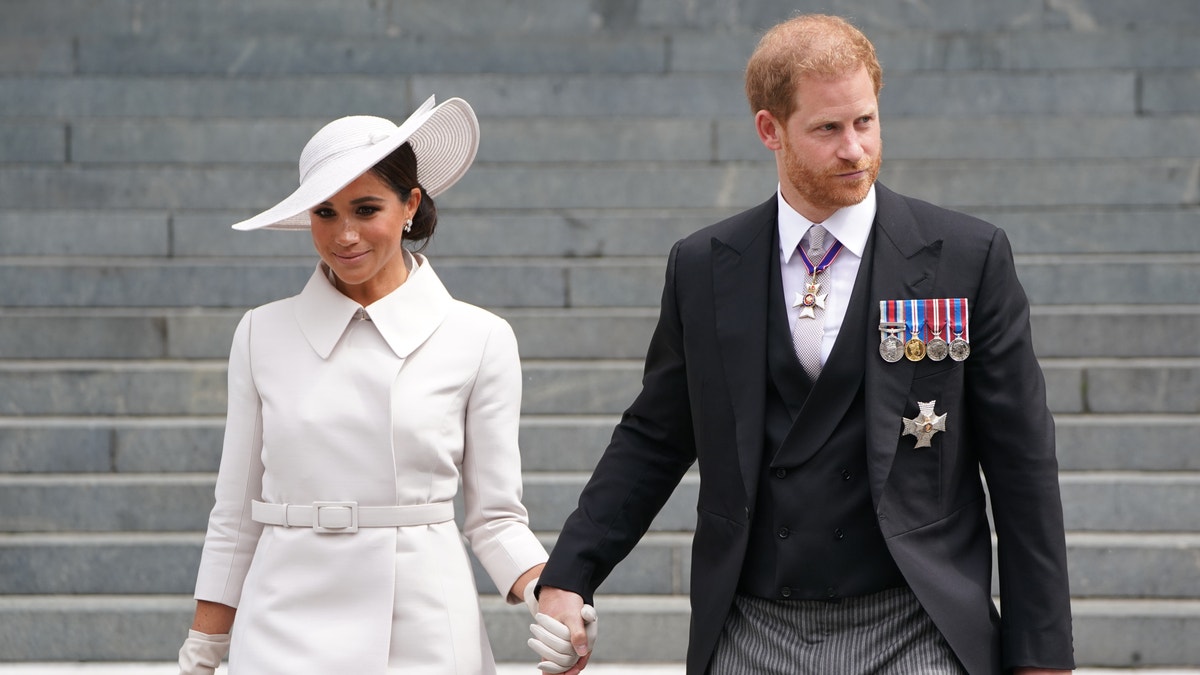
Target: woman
point(355, 408)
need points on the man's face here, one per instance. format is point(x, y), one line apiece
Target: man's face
point(830, 148)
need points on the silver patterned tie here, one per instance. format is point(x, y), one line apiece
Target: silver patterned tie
point(809, 330)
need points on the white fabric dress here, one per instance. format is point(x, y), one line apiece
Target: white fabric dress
point(394, 410)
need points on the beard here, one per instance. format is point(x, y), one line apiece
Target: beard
point(821, 187)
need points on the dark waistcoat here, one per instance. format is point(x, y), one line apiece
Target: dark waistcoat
point(814, 533)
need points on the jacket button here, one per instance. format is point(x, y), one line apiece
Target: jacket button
point(785, 592)
point(781, 473)
point(784, 532)
point(830, 592)
point(845, 474)
point(838, 534)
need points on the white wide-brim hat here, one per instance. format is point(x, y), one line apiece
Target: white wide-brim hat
point(444, 137)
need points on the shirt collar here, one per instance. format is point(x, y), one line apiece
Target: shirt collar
point(851, 225)
point(405, 318)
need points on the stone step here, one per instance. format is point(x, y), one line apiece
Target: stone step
point(1046, 184)
point(185, 388)
point(596, 51)
point(1092, 501)
point(424, 19)
point(570, 233)
point(591, 333)
point(555, 443)
point(652, 629)
point(673, 94)
point(609, 282)
point(1102, 565)
point(530, 140)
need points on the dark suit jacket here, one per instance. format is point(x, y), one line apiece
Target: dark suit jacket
point(702, 400)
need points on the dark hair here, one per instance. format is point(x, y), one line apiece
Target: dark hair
point(399, 170)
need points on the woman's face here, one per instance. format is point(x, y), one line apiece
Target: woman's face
point(358, 233)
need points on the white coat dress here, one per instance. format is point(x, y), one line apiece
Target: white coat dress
point(394, 410)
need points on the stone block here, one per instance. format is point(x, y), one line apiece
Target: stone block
point(1134, 565)
point(51, 336)
point(95, 629)
point(633, 284)
point(86, 231)
point(617, 139)
point(1136, 633)
point(179, 141)
point(570, 234)
point(98, 388)
point(1131, 502)
point(940, 15)
point(65, 448)
point(1067, 183)
point(24, 55)
point(553, 443)
point(1087, 15)
point(583, 335)
point(91, 503)
point(257, 55)
point(208, 233)
point(1144, 387)
point(1120, 443)
point(170, 285)
point(572, 388)
point(170, 446)
point(201, 336)
point(1170, 92)
point(684, 95)
point(1064, 386)
point(1089, 332)
point(954, 94)
point(1097, 230)
point(100, 564)
point(32, 142)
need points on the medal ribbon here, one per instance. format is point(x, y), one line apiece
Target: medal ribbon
point(960, 319)
point(825, 262)
point(934, 315)
point(915, 320)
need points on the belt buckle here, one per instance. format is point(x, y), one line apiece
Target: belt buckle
point(335, 521)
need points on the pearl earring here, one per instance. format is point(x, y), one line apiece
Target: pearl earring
point(408, 225)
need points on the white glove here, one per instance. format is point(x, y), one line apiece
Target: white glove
point(202, 653)
point(552, 640)
point(531, 600)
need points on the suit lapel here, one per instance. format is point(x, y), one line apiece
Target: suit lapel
point(903, 266)
point(740, 272)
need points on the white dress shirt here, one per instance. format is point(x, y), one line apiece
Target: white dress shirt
point(850, 225)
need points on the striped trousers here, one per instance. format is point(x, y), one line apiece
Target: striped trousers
point(883, 633)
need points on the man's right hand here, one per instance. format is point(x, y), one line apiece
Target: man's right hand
point(564, 631)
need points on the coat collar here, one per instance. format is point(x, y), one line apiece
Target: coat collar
point(405, 318)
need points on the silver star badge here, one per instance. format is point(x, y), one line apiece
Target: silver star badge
point(925, 425)
point(809, 300)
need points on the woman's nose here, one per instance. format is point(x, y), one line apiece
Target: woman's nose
point(347, 233)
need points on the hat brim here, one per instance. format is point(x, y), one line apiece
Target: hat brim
point(444, 137)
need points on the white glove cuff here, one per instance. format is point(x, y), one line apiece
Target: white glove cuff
point(201, 653)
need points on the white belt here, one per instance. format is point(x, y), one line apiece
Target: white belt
point(346, 517)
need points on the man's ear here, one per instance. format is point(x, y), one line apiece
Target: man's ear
point(769, 130)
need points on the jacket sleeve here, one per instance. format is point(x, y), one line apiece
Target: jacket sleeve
point(1014, 436)
point(496, 523)
point(232, 536)
point(651, 449)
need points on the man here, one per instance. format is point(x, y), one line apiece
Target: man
point(841, 520)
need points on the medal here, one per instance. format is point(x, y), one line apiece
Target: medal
point(891, 323)
point(812, 298)
point(936, 348)
point(914, 349)
point(924, 425)
point(960, 346)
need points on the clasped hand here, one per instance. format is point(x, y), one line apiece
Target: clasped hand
point(553, 639)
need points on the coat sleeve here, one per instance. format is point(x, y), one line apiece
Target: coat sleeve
point(232, 536)
point(496, 523)
point(1013, 433)
point(651, 449)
